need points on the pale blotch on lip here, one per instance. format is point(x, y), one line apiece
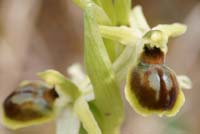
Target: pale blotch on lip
point(168, 82)
point(154, 82)
point(21, 98)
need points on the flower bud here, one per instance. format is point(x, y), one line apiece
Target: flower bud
point(31, 103)
point(152, 87)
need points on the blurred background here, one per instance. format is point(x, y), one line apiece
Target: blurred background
point(40, 34)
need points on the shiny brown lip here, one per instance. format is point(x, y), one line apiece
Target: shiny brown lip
point(39, 102)
point(146, 95)
point(153, 83)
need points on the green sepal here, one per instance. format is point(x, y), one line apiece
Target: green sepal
point(81, 108)
point(123, 34)
point(172, 30)
point(63, 86)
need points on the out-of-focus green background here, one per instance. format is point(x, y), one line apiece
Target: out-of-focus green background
point(39, 34)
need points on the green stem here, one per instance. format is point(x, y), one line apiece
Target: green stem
point(108, 7)
point(102, 78)
point(101, 16)
point(122, 10)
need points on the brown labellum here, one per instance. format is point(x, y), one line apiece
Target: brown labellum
point(155, 85)
point(33, 100)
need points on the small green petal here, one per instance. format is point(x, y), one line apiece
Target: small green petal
point(123, 34)
point(137, 20)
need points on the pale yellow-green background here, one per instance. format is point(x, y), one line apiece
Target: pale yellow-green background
point(39, 34)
